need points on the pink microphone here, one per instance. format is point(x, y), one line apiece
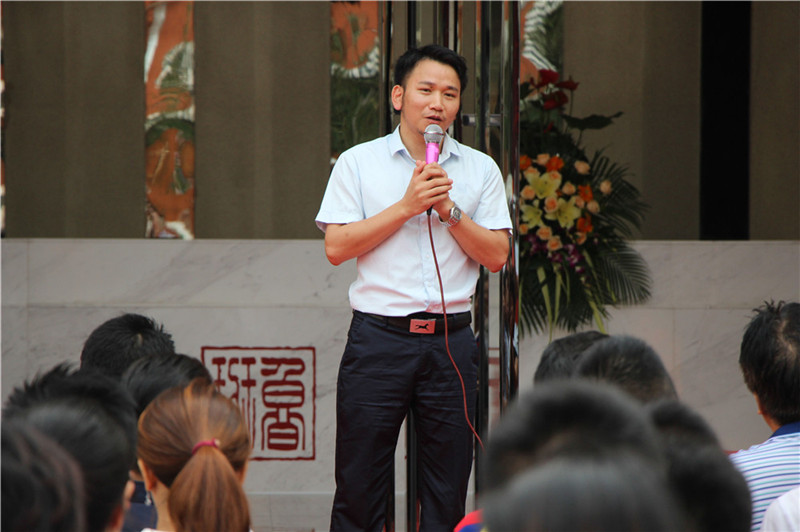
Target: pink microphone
point(433, 137)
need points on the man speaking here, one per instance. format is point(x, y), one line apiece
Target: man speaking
point(414, 268)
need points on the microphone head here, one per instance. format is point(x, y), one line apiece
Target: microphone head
point(433, 133)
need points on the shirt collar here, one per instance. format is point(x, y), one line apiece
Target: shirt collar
point(449, 147)
point(789, 428)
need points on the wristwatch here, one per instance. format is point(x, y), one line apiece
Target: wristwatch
point(455, 217)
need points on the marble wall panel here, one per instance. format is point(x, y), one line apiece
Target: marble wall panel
point(286, 294)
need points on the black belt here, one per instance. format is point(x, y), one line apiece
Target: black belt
point(424, 322)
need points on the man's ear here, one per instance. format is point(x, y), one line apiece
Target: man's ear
point(117, 518)
point(758, 405)
point(397, 97)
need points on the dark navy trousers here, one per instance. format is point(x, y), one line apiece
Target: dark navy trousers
point(384, 373)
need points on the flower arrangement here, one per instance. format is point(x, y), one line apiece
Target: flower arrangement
point(575, 216)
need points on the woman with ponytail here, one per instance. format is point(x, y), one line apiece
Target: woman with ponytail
point(193, 450)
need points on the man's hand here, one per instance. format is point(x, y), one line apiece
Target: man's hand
point(429, 187)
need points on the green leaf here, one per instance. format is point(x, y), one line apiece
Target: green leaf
point(590, 122)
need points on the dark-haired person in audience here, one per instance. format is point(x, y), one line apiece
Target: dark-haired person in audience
point(93, 418)
point(629, 363)
point(193, 450)
point(566, 419)
point(769, 358)
point(118, 342)
point(561, 356)
point(145, 379)
point(622, 493)
point(712, 492)
point(42, 484)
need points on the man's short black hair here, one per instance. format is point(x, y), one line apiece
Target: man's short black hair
point(42, 484)
point(147, 377)
point(406, 63)
point(93, 418)
point(711, 490)
point(116, 343)
point(770, 360)
point(629, 363)
point(561, 356)
point(570, 418)
point(621, 492)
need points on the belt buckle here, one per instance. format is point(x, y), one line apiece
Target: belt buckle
point(422, 326)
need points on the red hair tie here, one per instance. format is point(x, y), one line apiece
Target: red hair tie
point(205, 443)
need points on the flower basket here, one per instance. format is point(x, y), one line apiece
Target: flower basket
point(576, 214)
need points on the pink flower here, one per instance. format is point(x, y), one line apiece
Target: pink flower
point(551, 204)
point(605, 187)
point(544, 233)
point(542, 159)
point(554, 244)
point(528, 192)
point(582, 167)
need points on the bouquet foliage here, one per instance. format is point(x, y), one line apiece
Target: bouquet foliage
point(576, 214)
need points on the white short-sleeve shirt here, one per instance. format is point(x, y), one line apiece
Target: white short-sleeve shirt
point(398, 277)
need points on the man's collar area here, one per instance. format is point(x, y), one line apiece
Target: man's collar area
point(450, 147)
point(789, 428)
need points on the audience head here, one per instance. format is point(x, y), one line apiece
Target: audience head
point(629, 363)
point(613, 494)
point(116, 343)
point(572, 418)
point(713, 494)
point(148, 376)
point(92, 417)
point(770, 360)
point(42, 484)
point(405, 63)
point(561, 357)
point(195, 442)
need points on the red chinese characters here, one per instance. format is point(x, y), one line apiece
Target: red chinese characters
point(275, 388)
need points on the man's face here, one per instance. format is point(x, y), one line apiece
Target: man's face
point(432, 95)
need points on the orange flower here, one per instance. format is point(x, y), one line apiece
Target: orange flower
point(581, 238)
point(528, 192)
point(582, 167)
point(523, 229)
point(555, 163)
point(544, 233)
point(584, 224)
point(605, 187)
point(551, 204)
point(554, 244)
point(542, 159)
point(585, 192)
point(524, 163)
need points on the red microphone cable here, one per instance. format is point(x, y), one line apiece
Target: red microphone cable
point(446, 337)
